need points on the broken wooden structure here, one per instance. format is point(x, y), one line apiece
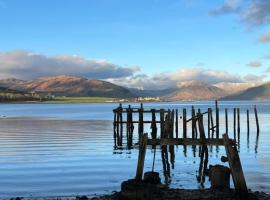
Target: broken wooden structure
point(129, 119)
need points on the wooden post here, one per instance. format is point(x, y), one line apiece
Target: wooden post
point(212, 122)
point(208, 121)
point(121, 125)
point(217, 122)
point(172, 124)
point(141, 156)
point(236, 167)
point(234, 123)
point(161, 123)
point(184, 123)
point(238, 121)
point(117, 127)
point(257, 120)
point(154, 124)
point(192, 122)
point(114, 127)
point(226, 120)
point(140, 125)
point(176, 123)
point(247, 121)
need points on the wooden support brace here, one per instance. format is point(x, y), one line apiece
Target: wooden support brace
point(141, 156)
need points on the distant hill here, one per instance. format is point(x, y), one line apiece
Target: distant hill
point(195, 90)
point(69, 86)
point(7, 95)
point(261, 92)
point(152, 93)
point(232, 88)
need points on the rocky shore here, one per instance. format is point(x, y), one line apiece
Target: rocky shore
point(183, 194)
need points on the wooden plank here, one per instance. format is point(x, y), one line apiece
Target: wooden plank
point(141, 157)
point(235, 166)
point(186, 141)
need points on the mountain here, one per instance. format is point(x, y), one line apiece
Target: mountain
point(195, 90)
point(261, 92)
point(7, 95)
point(70, 86)
point(234, 87)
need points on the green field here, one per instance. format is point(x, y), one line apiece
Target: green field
point(80, 100)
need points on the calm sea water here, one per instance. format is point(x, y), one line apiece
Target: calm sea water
point(67, 149)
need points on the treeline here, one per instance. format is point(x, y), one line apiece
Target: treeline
point(7, 95)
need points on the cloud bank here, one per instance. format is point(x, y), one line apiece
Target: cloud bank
point(168, 80)
point(26, 65)
point(250, 12)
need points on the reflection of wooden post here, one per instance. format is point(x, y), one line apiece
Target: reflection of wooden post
point(236, 167)
point(257, 120)
point(141, 157)
point(176, 123)
point(226, 120)
point(247, 121)
point(184, 123)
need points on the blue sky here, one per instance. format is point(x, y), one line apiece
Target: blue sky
point(157, 36)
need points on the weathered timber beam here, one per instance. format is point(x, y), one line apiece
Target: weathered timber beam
point(187, 141)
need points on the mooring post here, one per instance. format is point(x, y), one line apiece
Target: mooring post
point(234, 123)
point(236, 167)
point(247, 121)
point(226, 120)
point(217, 120)
point(184, 123)
point(176, 123)
point(141, 156)
point(257, 120)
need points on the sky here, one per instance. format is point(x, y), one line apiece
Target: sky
point(137, 43)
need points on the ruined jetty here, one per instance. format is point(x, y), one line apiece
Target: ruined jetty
point(164, 132)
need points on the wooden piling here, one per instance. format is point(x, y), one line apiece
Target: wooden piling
point(121, 124)
point(257, 120)
point(217, 122)
point(141, 156)
point(176, 123)
point(226, 120)
point(140, 125)
point(238, 121)
point(161, 123)
point(208, 121)
point(154, 124)
point(193, 122)
point(234, 123)
point(184, 123)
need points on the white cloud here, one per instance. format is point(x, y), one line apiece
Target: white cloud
point(167, 80)
point(27, 65)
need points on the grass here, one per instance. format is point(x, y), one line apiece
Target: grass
point(80, 100)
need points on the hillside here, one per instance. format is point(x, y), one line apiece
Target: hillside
point(7, 95)
point(70, 86)
point(261, 92)
point(195, 90)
